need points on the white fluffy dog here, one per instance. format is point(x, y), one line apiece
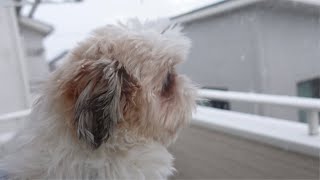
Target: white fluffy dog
point(110, 111)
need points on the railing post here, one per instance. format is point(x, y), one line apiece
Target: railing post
point(313, 123)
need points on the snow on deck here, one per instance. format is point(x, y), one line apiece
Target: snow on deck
point(281, 133)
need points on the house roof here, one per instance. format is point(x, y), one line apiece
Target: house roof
point(36, 25)
point(229, 5)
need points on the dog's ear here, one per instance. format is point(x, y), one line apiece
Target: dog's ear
point(98, 105)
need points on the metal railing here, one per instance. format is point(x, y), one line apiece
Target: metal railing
point(15, 115)
point(311, 105)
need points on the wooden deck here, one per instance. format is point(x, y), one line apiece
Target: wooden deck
point(205, 154)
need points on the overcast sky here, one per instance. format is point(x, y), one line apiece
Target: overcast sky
point(73, 21)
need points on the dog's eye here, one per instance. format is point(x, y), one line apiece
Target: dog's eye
point(168, 84)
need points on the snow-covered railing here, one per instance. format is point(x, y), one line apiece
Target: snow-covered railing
point(9, 123)
point(311, 105)
point(15, 115)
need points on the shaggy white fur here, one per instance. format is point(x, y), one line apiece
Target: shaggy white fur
point(47, 151)
point(138, 105)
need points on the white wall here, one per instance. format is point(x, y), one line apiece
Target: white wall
point(14, 91)
point(37, 67)
point(223, 58)
point(291, 53)
point(259, 49)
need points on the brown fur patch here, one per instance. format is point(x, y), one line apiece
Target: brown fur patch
point(93, 74)
point(169, 85)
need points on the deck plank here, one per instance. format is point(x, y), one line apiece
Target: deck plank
point(205, 154)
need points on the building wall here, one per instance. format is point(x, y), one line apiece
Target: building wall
point(14, 94)
point(38, 68)
point(259, 49)
point(223, 58)
point(290, 52)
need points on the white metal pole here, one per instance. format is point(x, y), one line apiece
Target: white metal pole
point(313, 123)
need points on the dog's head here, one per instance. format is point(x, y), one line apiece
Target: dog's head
point(123, 79)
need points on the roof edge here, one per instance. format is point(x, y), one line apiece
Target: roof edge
point(41, 27)
point(228, 5)
point(213, 9)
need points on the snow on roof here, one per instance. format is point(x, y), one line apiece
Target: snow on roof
point(229, 5)
point(38, 26)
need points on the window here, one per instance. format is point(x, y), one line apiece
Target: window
point(308, 88)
